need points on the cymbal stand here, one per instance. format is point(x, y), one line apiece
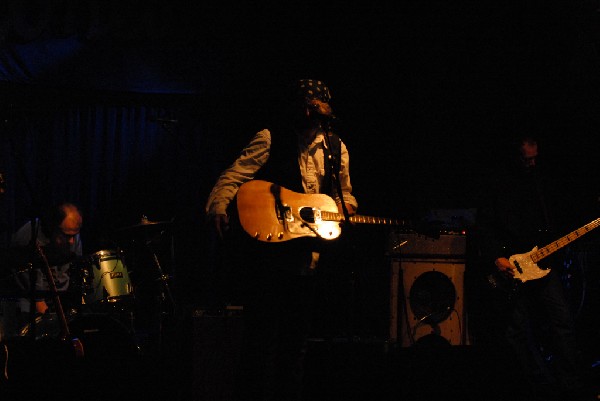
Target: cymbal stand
point(165, 293)
point(163, 279)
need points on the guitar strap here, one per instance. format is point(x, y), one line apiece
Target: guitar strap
point(333, 160)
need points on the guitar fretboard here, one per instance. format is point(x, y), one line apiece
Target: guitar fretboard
point(330, 216)
point(563, 241)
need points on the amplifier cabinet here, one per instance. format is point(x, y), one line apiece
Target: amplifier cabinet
point(413, 245)
point(427, 302)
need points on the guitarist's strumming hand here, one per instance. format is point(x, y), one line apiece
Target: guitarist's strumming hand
point(505, 268)
point(221, 222)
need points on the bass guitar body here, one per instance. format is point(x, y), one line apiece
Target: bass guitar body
point(525, 268)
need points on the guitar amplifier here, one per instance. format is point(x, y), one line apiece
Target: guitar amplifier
point(427, 288)
point(449, 244)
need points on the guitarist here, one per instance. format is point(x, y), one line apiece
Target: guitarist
point(524, 210)
point(303, 155)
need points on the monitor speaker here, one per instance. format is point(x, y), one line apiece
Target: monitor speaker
point(427, 302)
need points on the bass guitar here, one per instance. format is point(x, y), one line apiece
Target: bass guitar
point(525, 264)
point(271, 213)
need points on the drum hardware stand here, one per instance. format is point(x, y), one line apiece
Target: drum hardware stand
point(144, 234)
point(165, 292)
point(129, 301)
point(33, 278)
point(163, 278)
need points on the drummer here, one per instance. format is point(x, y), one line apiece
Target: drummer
point(57, 233)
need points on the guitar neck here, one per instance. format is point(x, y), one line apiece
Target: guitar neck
point(563, 241)
point(330, 216)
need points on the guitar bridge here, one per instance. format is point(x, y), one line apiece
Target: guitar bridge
point(283, 213)
point(289, 217)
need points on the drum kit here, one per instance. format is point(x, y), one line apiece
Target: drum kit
point(121, 311)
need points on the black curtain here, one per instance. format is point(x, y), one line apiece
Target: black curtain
point(119, 157)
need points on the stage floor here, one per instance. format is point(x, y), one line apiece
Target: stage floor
point(192, 363)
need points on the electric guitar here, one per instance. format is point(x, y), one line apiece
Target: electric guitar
point(271, 213)
point(525, 264)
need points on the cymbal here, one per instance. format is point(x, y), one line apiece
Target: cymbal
point(144, 225)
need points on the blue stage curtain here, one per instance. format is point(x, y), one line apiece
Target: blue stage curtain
point(117, 158)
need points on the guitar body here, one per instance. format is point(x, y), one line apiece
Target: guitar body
point(525, 268)
point(271, 213)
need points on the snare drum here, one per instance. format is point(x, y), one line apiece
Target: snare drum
point(106, 278)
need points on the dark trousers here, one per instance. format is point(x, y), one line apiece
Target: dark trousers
point(277, 314)
point(541, 331)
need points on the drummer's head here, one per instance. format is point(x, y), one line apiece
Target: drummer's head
point(62, 223)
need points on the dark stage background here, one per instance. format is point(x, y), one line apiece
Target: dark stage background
point(133, 108)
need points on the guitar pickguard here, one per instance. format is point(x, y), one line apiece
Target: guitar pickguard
point(526, 268)
point(307, 221)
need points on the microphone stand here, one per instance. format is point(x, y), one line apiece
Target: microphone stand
point(333, 162)
point(333, 166)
